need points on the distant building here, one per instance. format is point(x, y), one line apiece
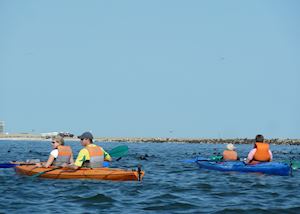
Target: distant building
point(1, 127)
point(49, 134)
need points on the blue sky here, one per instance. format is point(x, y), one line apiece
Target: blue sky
point(151, 68)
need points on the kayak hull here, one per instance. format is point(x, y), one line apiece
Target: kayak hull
point(270, 168)
point(82, 173)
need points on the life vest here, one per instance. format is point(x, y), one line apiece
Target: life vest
point(230, 155)
point(96, 157)
point(64, 156)
point(262, 152)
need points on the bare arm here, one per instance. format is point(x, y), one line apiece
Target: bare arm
point(107, 156)
point(72, 159)
point(250, 155)
point(271, 155)
point(70, 166)
point(48, 163)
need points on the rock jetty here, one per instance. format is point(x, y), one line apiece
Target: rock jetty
point(159, 139)
point(198, 140)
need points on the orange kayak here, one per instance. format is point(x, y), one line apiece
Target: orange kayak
point(83, 173)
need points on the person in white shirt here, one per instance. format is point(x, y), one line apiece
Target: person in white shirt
point(60, 154)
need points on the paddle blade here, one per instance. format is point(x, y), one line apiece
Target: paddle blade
point(216, 158)
point(295, 165)
point(119, 151)
point(7, 165)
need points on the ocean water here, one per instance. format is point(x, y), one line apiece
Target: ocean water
point(169, 186)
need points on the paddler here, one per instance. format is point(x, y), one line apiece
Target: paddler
point(60, 155)
point(229, 153)
point(261, 151)
point(91, 156)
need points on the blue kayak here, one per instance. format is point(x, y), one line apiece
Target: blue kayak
point(270, 168)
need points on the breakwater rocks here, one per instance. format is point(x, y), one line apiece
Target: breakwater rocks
point(200, 140)
point(158, 139)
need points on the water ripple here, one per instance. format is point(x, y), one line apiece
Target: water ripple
point(98, 198)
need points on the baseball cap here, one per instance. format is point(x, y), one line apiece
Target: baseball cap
point(86, 135)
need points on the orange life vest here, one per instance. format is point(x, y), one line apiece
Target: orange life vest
point(94, 151)
point(96, 157)
point(64, 155)
point(230, 155)
point(262, 152)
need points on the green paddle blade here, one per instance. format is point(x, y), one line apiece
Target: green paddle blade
point(216, 158)
point(119, 151)
point(295, 165)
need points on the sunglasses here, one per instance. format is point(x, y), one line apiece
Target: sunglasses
point(53, 142)
point(82, 139)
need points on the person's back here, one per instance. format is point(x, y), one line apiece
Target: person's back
point(230, 154)
point(95, 156)
point(261, 151)
point(64, 156)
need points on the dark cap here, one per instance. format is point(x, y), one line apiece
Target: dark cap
point(87, 135)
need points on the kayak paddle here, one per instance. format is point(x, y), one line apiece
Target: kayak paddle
point(11, 165)
point(118, 151)
point(8, 165)
point(294, 164)
point(212, 158)
point(41, 173)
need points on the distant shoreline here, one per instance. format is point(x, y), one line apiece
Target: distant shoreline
point(154, 139)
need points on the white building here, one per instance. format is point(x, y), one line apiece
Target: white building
point(49, 134)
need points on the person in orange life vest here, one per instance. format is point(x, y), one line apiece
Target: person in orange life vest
point(91, 156)
point(60, 154)
point(230, 153)
point(261, 151)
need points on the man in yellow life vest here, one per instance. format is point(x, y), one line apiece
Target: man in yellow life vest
point(91, 156)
